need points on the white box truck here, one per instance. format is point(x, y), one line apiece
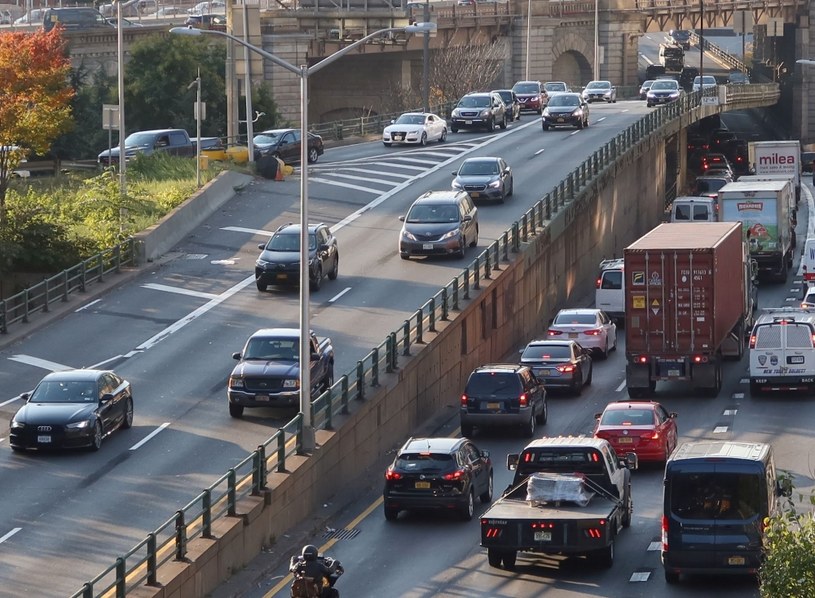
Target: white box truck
point(777, 157)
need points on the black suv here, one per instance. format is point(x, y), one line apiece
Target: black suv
point(479, 110)
point(440, 474)
point(503, 395)
point(279, 262)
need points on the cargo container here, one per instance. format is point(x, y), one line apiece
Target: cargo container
point(777, 157)
point(689, 303)
point(763, 208)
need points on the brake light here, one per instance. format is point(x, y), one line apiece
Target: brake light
point(565, 368)
point(528, 457)
point(651, 436)
point(523, 400)
point(555, 332)
point(664, 534)
point(593, 532)
point(491, 531)
point(543, 525)
point(700, 359)
point(392, 475)
point(463, 400)
point(594, 332)
point(752, 341)
point(597, 284)
point(454, 476)
point(642, 359)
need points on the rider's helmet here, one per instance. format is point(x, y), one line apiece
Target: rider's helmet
point(309, 552)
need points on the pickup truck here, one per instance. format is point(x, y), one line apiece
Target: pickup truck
point(570, 495)
point(172, 141)
point(268, 370)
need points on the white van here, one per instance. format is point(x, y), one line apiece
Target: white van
point(610, 292)
point(694, 209)
point(808, 263)
point(782, 352)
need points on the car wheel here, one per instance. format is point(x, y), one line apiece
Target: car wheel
point(615, 99)
point(511, 188)
point(467, 430)
point(329, 379)
point(605, 558)
point(468, 509)
point(604, 352)
point(127, 420)
point(17, 449)
point(519, 116)
point(312, 155)
point(614, 346)
point(504, 122)
point(386, 144)
point(529, 427)
point(649, 104)
point(404, 256)
point(591, 373)
point(628, 508)
point(489, 126)
point(235, 410)
point(454, 129)
point(580, 124)
point(586, 124)
point(261, 286)
point(474, 242)
point(423, 140)
point(96, 441)
point(577, 384)
point(545, 127)
point(391, 513)
point(487, 496)
point(443, 137)
point(671, 577)
point(335, 270)
point(543, 416)
point(315, 284)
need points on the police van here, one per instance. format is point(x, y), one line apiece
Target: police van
point(610, 290)
point(782, 352)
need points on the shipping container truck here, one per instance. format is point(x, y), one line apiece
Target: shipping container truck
point(763, 208)
point(777, 157)
point(689, 304)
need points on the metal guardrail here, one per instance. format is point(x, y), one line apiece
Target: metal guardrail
point(169, 541)
point(370, 125)
point(723, 56)
point(39, 297)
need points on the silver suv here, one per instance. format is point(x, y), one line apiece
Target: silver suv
point(481, 110)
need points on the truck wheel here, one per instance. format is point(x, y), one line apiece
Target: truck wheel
point(493, 557)
point(235, 410)
point(671, 577)
point(529, 427)
point(487, 496)
point(605, 557)
point(755, 389)
point(509, 560)
point(468, 509)
point(636, 393)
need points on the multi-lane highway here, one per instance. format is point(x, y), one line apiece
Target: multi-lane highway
point(172, 330)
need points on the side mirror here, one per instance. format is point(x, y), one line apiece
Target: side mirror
point(512, 461)
point(25, 396)
point(401, 218)
point(467, 218)
point(485, 454)
point(673, 415)
point(323, 247)
point(315, 356)
point(106, 398)
point(598, 415)
point(393, 121)
point(455, 173)
point(236, 355)
point(261, 245)
point(632, 462)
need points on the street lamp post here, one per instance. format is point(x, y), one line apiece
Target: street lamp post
point(426, 61)
point(303, 72)
point(596, 40)
point(702, 46)
point(528, 35)
point(121, 82)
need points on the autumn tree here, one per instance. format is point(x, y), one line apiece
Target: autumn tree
point(34, 99)
point(458, 70)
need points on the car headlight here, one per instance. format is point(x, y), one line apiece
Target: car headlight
point(484, 113)
point(262, 263)
point(546, 112)
point(236, 382)
point(577, 112)
point(450, 234)
point(291, 383)
point(456, 113)
point(408, 235)
point(495, 184)
point(15, 425)
point(456, 185)
point(80, 425)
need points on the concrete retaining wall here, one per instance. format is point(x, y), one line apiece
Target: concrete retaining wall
point(555, 266)
point(170, 230)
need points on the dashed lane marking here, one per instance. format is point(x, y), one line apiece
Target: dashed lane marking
point(178, 290)
point(369, 171)
point(744, 380)
point(639, 576)
point(144, 440)
point(368, 179)
point(87, 305)
point(601, 119)
point(314, 179)
point(738, 395)
point(251, 231)
point(40, 363)
point(340, 294)
point(730, 412)
point(621, 386)
point(790, 299)
point(654, 546)
point(720, 430)
point(10, 534)
point(540, 151)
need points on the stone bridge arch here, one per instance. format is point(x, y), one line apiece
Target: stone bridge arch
point(571, 62)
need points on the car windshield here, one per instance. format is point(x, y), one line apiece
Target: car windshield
point(547, 353)
point(424, 462)
point(270, 138)
point(474, 102)
point(715, 495)
point(564, 100)
point(430, 213)
point(282, 349)
point(709, 185)
point(708, 80)
point(289, 242)
point(555, 87)
point(665, 86)
point(71, 391)
point(627, 417)
point(140, 139)
point(478, 167)
point(599, 85)
point(493, 383)
point(526, 88)
point(647, 84)
point(506, 96)
point(410, 119)
point(573, 318)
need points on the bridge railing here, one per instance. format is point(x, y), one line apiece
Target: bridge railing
point(169, 541)
point(723, 56)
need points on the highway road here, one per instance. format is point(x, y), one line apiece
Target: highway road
point(171, 333)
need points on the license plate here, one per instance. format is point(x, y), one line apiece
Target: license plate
point(673, 372)
point(262, 398)
point(397, 138)
point(422, 485)
point(560, 120)
point(468, 122)
point(625, 440)
point(282, 276)
point(427, 246)
point(44, 439)
point(795, 359)
point(544, 372)
point(572, 335)
point(474, 194)
point(543, 536)
point(735, 560)
point(493, 405)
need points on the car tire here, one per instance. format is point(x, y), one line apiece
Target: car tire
point(504, 122)
point(335, 270)
point(127, 420)
point(423, 140)
point(591, 373)
point(648, 105)
point(577, 385)
point(494, 557)
point(391, 513)
point(486, 497)
point(454, 129)
point(467, 430)
point(586, 124)
point(529, 427)
point(627, 507)
point(235, 410)
point(261, 286)
point(314, 285)
point(605, 557)
point(467, 511)
point(509, 560)
point(543, 416)
point(404, 256)
point(96, 441)
point(313, 155)
point(671, 577)
point(386, 144)
point(329, 379)
point(604, 352)
point(474, 242)
point(443, 137)
point(580, 124)
point(511, 188)
point(614, 101)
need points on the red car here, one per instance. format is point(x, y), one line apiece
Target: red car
point(530, 95)
point(641, 427)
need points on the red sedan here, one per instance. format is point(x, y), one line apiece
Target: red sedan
point(641, 427)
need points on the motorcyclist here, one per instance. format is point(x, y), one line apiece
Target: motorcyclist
point(322, 570)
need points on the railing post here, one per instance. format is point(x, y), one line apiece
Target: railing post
point(87, 590)
point(477, 274)
point(532, 228)
point(256, 465)
point(344, 391)
point(83, 279)
point(152, 569)
point(406, 336)
point(281, 451)
point(505, 243)
point(432, 313)
point(516, 241)
point(230, 492)
point(64, 286)
point(206, 513)
point(360, 381)
point(375, 367)
point(394, 352)
point(46, 297)
point(121, 577)
point(329, 410)
point(117, 257)
point(420, 326)
point(496, 260)
point(444, 315)
point(455, 293)
point(467, 282)
point(25, 305)
point(101, 267)
point(180, 536)
point(487, 265)
point(3, 327)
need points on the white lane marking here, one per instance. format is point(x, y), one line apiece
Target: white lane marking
point(398, 161)
point(228, 262)
point(624, 111)
point(340, 294)
point(4, 403)
point(730, 412)
point(40, 363)
point(790, 299)
point(646, 59)
point(97, 366)
point(653, 546)
point(178, 325)
point(366, 179)
point(540, 151)
point(314, 179)
point(621, 386)
point(441, 153)
point(10, 534)
point(601, 119)
point(638, 576)
point(141, 442)
point(795, 290)
point(131, 353)
point(87, 305)
point(744, 380)
point(369, 171)
point(388, 164)
point(738, 395)
point(252, 231)
point(720, 429)
point(168, 289)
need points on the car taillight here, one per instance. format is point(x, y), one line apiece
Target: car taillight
point(642, 359)
point(555, 332)
point(523, 400)
point(454, 476)
point(593, 332)
point(463, 400)
point(392, 475)
point(664, 534)
point(565, 368)
point(752, 341)
point(491, 531)
point(700, 359)
point(597, 283)
point(650, 436)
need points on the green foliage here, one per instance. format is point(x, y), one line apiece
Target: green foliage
point(262, 101)
point(87, 138)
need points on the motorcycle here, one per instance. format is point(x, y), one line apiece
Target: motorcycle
point(308, 587)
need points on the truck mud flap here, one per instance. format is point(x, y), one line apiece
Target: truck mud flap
point(733, 345)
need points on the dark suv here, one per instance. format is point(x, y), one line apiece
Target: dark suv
point(503, 395)
point(479, 111)
point(437, 473)
point(279, 262)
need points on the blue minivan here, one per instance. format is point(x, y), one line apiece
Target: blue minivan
point(716, 497)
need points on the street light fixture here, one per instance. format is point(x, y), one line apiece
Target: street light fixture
point(805, 61)
point(303, 72)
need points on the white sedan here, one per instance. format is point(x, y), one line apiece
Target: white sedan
point(592, 328)
point(415, 127)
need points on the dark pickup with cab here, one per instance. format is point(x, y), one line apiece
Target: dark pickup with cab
point(570, 495)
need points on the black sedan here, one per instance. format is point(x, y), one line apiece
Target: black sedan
point(559, 364)
point(279, 260)
point(285, 144)
point(565, 110)
point(72, 409)
point(444, 474)
point(484, 178)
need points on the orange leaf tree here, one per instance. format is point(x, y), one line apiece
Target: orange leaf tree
point(35, 98)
